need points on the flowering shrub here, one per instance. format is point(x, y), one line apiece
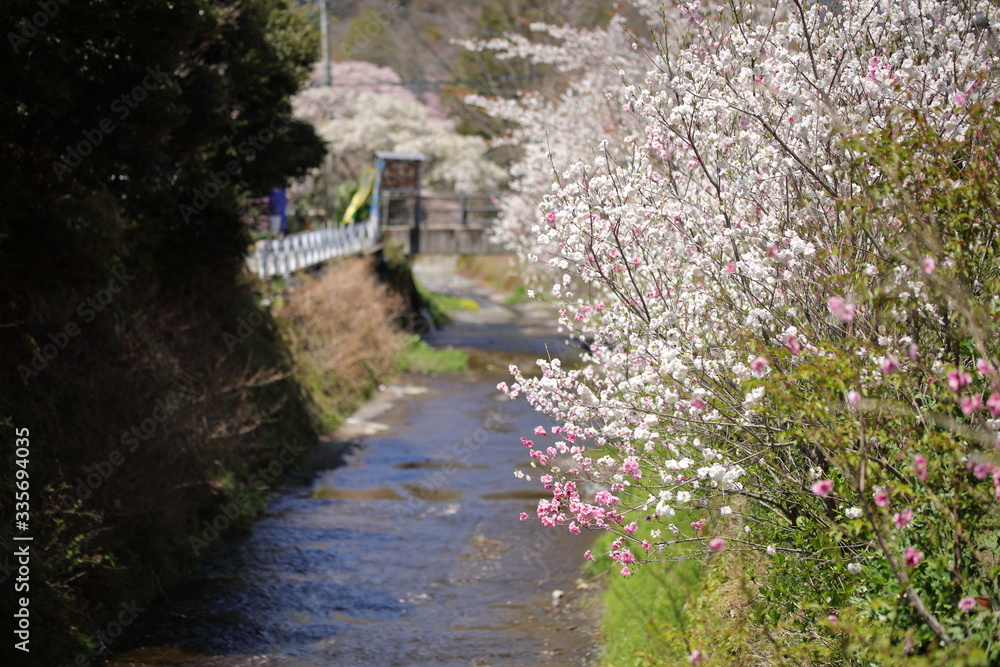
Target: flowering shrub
point(787, 264)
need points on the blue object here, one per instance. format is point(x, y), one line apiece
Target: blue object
point(278, 205)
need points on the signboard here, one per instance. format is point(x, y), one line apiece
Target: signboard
point(398, 171)
point(400, 175)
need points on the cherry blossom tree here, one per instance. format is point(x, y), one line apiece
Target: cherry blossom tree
point(369, 110)
point(781, 239)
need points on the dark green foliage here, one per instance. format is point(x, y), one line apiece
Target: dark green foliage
point(131, 136)
point(223, 74)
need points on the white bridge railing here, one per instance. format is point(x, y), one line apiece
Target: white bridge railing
point(284, 256)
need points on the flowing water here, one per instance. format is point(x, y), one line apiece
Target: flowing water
point(410, 552)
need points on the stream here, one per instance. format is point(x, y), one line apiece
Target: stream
point(405, 548)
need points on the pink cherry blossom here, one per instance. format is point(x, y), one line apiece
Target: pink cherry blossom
point(959, 98)
point(881, 498)
point(840, 308)
point(967, 604)
point(630, 466)
point(873, 69)
point(928, 264)
point(971, 403)
point(823, 487)
point(853, 398)
point(890, 364)
point(626, 571)
point(623, 556)
point(717, 544)
point(958, 380)
point(695, 657)
point(993, 404)
point(914, 352)
point(793, 344)
point(699, 524)
point(985, 367)
point(912, 557)
point(920, 467)
point(758, 365)
point(902, 518)
point(605, 498)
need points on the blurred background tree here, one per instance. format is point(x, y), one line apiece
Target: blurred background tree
point(81, 82)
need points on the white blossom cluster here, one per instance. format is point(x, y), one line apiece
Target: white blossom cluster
point(356, 123)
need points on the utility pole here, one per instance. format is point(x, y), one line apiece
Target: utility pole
point(324, 28)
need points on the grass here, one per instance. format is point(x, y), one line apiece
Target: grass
point(646, 618)
point(442, 306)
point(519, 295)
point(670, 606)
point(419, 357)
point(219, 399)
point(499, 271)
point(342, 351)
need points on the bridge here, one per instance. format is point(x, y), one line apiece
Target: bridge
point(436, 224)
point(285, 256)
point(425, 225)
point(439, 224)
